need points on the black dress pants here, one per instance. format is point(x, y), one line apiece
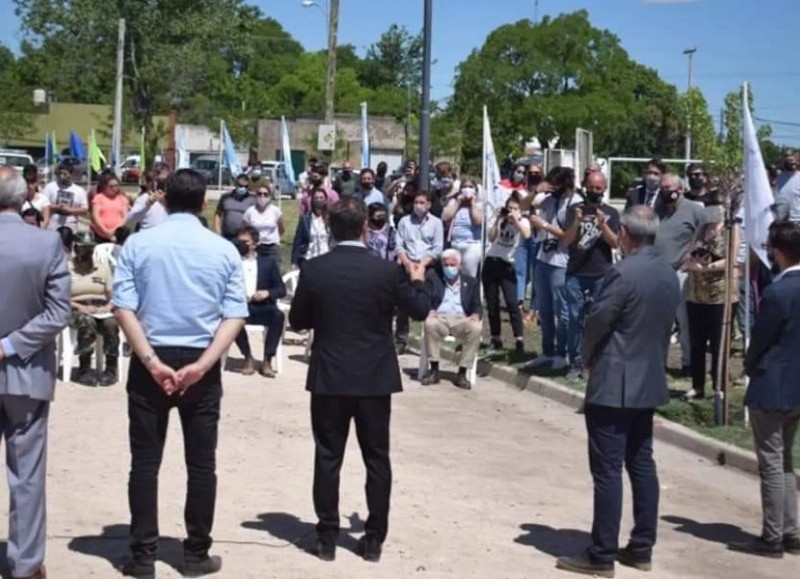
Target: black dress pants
point(499, 275)
point(269, 316)
point(330, 422)
point(148, 412)
point(705, 330)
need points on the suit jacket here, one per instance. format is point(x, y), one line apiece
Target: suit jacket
point(772, 360)
point(349, 297)
point(35, 306)
point(637, 196)
point(470, 291)
point(626, 334)
point(302, 239)
point(269, 278)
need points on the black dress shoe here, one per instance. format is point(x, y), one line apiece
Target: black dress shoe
point(462, 382)
point(430, 378)
point(324, 550)
point(791, 545)
point(638, 560)
point(585, 565)
point(760, 547)
point(369, 547)
point(206, 566)
point(138, 569)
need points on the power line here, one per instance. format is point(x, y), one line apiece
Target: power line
point(772, 122)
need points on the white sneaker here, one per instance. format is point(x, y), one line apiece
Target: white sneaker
point(538, 362)
point(559, 364)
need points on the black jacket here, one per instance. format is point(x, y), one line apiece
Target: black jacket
point(302, 239)
point(349, 297)
point(470, 292)
point(269, 279)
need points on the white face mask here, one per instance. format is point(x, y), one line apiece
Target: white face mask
point(262, 202)
point(468, 192)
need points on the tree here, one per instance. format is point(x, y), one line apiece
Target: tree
point(15, 99)
point(394, 60)
point(694, 114)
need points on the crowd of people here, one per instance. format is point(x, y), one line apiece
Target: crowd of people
point(371, 253)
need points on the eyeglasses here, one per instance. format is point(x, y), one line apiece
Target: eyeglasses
point(263, 194)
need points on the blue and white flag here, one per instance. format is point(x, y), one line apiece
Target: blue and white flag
point(286, 151)
point(757, 192)
point(364, 137)
point(230, 153)
point(183, 154)
point(495, 196)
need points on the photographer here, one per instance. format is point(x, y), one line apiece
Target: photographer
point(549, 279)
point(463, 220)
point(443, 187)
point(592, 228)
point(505, 234)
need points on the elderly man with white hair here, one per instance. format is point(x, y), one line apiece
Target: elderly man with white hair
point(680, 220)
point(32, 314)
point(455, 311)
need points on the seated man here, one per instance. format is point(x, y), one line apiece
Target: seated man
point(456, 310)
point(91, 313)
point(264, 285)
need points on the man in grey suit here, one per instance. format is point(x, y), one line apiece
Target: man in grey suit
point(625, 343)
point(34, 309)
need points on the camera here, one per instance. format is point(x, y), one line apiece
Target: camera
point(504, 212)
point(549, 245)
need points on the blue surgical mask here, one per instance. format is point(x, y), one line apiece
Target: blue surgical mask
point(241, 191)
point(450, 272)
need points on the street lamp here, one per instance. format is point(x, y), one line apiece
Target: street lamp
point(312, 4)
point(332, 18)
point(690, 53)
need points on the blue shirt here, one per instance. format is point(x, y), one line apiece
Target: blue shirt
point(451, 302)
point(374, 196)
point(181, 280)
point(420, 238)
point(462, 229)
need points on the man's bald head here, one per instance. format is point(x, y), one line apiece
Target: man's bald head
point(12, 189)
point(596, 182)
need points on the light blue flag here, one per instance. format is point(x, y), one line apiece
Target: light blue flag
point(286, 152)
point(364, 137)
point(230, 152)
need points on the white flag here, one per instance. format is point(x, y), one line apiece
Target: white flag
point(286, 152)
point(495, 195)
point(230, 152)
point(364, 137)
point(757, 192)
point(183, 154)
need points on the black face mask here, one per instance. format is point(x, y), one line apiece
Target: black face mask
point(696, 183)
point(161, 184)
point(315, 182)
point(378, 222)
point(534, 180)
point(242, 247)
point(594, 198)
point(318, 204)
point(366, 186)
point(789, 166)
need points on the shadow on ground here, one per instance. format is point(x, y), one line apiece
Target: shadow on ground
point(554, 542)
point(302, 534)
point(713, 532)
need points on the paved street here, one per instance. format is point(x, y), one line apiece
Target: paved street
point(491, 483)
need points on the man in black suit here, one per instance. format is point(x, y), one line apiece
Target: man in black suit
point(264, 287)
point(455, 310)
point(647, 192)
point(773, 397)
point(348, 297)
point(624, 347)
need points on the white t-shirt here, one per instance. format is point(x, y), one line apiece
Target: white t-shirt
point(554, 211)
point(505, 244)
point(72, 196)
point(266, 222)
point(250, 269)
point(39, 202)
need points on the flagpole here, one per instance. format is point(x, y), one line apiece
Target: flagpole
point(219, 167)
point(748, 286)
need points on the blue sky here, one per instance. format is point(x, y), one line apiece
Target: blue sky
point(737, 40)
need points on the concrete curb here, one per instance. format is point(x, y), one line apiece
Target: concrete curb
point(665, 430)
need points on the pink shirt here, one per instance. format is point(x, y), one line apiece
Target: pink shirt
point(111, 213)
point(305, 200)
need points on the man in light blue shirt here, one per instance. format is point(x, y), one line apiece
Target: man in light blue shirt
point(179, 296)
point(368, 193)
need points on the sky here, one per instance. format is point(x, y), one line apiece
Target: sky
point(736, 40)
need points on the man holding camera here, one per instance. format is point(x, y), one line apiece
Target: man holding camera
point(592, 228)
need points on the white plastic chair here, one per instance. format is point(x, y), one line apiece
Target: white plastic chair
point(65, 351)
point(472, 372)
point(290, 281)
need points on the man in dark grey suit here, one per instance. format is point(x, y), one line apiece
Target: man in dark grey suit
point(35, 286)
point(624, 347)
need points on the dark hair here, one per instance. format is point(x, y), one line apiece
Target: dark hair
point(693, 167)
point(104, 179)
point(67, 237)
point(62, 166)
point(121, 234)
point(30, 168)
point(515, 197)
point(382, 169)
point(785, 237)
point(249, 230)
point(425, 194)
point(367, 171)
point(186, 191)
point(32, 212)
point(658, 164)
point(373, 208)
point(312, 160)
point(320, 169)
point(346, 219)
point(714, 197)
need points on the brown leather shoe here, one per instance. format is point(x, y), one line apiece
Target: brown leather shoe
point(266, 370)
point(249, 367)
point(41, 573)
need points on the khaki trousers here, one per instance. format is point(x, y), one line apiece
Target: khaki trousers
point(464, 330)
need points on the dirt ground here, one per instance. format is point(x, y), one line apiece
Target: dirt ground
point(491, 483)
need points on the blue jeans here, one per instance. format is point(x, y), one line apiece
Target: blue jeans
point(549, 284)
point(581, 291)
point(525, 266)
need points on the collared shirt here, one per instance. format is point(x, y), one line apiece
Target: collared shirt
point(352, 244)
point(145, 216)
point(374, 196)
point(181, 280)
point(319, 238)
point(451, 302)
point(250, 269)
point(782, 274)
point(418, 239)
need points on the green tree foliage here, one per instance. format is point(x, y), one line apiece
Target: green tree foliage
point(15, 100)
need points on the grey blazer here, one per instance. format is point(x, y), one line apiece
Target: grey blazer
point(626, 335)
point(35, 306)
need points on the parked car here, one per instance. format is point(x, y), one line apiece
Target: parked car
point(208, 166)
point(275, 171)
point(17, 159)
point(131, 171)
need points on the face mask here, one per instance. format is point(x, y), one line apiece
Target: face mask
point(534, 180)
point(450, 272)
point(378, 222)
point(255, 175)
point(468, 192)
point(319, 204)
point(315, 182)
point(695, 183)
point(366, 186)
point(161, 185)
point(445, 183)
point(789, 165)
point(346, 175)
point(262, 202)
point(594, 198)
point(666, 197)
point(652, 182)
point(420, 210)
point(241, 191)
point(518, 176)
point(242, 247)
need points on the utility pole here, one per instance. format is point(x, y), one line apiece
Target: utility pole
point(690, 53)
point(536, 11)
point(330, 78)
point(116, 133)
point(425, 116)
